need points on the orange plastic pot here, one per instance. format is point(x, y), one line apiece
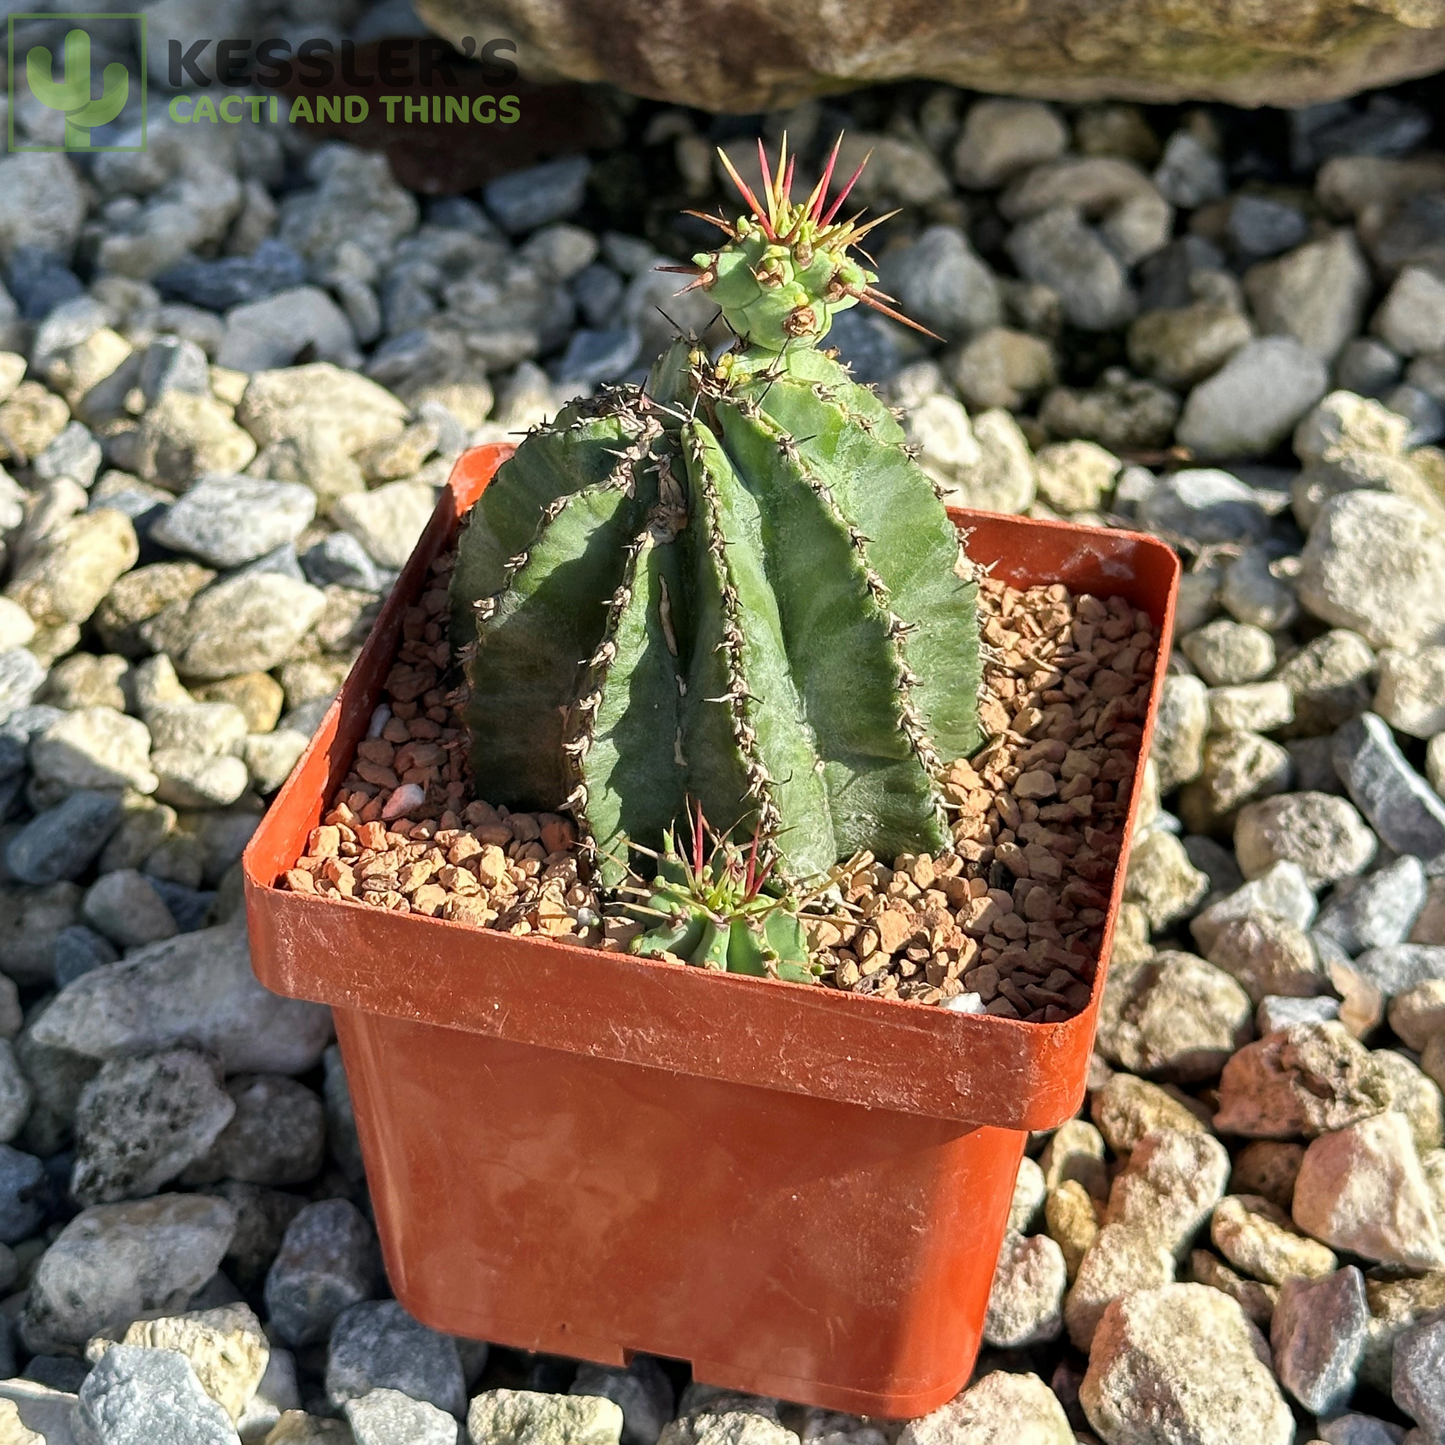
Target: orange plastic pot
point(801, 1192)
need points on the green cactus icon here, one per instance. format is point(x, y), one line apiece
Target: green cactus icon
point(72, 95)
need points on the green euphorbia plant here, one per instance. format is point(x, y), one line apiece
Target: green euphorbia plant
point(734, 585)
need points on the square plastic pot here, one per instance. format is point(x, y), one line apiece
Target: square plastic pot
point(799, 1191)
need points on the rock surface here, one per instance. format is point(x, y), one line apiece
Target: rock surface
point(1182, 1363)
point(1045, 53)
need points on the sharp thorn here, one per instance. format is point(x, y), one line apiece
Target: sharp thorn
point(898, 316)
point(814, 204)
point(843, 194)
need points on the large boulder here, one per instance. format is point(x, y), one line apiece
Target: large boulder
point(752, 55)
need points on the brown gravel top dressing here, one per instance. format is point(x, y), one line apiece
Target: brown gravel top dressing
point(1014, 912)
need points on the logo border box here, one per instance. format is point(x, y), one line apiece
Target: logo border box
point(10, 146)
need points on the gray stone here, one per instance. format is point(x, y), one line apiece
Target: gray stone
point(1182, 1363)
point(1216, 861)
point(942, 284)
point(388, 521)
point(63, 841)
point(1002, 137)
point(1162, 880)
point(243, 624)
point(339, 558)
point(1375, 563)
point(1227, 653)
point(24, 1193)
point(1252, 594)
point(986, 466)
point(594, 356)
point(1190, 173)
point(1018, 1408)
point(1259, 707)
point(1179, 730)
point(1425, 415)
point(277, 1393)
point(1418, 1381)
point(298, 403)
point(377, 1345)
point(1253, 402)
point(1056, 249)
point(1407, 813)
point(184, 436)
point(93, 747)
point(124, 907)
point(1362, 1189)
point(1401, 966)
point(1305, 1081)
point(264, 335)
point(1259, 226)
point(1206, 505)
point(1356, 1429)
point(17, 629)
point(1127, 1108)
point(197, 988)
point(642, 1391)
point(1239, 766)
point(74, 453)
point(1416, 1098)
point(999, 367)
point(1268, 956)
point(1172, 1015)
point(171, 363)
point(1377, 911)
point(269, 757)
point(388, 1417)
point(1282, 891)
point(137, 1396)
point(327, 1262)
point(1180, 345)
point(1122, 413)
point(1028, 1196)
point(526, 199)
point(1254, 1234)
point(1026, 1303)
point(1419, 1012)
point(141, 1120)
point(1411, 695)
point(212, 729)
point(341, 1133)
point(1317, 293)
point(276, 1136)
point(85, 680)
point(71, 568)
point(112, 1262)
point(226, 521)
point(1281, 1011)
point(1329, 680)
point(1168, 1188)
point(1317, 1336)
point(1322, 833)
point(36, 1414)
point(525, 1417)
point(1367, 367)
point(1411, 319)
point(198, 780)
point(16, 1095)
point(225, 1345)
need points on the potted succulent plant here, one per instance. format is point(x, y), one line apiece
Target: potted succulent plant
point(701, 674)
